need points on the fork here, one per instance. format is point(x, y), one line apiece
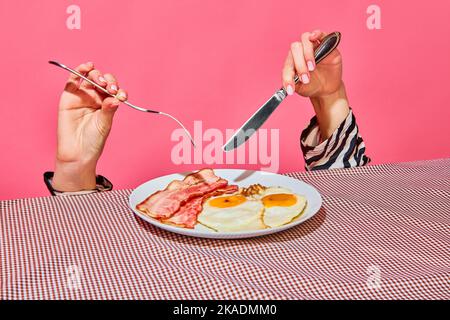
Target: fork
point(125, 102)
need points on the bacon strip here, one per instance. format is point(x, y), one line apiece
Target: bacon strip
point(186, 217)
point(164, 203)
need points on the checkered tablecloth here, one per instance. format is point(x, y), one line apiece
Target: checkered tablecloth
point(382, 233)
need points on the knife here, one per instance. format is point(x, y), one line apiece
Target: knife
point(327, 45)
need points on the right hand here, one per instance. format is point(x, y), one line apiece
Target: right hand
point(84, 121)
point(322, 83)
point(315, 80)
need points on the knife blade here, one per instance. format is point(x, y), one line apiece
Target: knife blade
point(327, 45)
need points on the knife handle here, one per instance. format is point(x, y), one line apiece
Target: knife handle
point(327, 45)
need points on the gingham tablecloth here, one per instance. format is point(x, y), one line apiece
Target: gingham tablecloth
point(383, 232)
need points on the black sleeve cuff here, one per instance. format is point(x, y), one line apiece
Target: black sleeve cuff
point(102, 184)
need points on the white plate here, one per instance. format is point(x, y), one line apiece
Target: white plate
point(242, 178)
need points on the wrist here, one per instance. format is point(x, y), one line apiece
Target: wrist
point(331, 109)
point(74, 176)
point(327, 101)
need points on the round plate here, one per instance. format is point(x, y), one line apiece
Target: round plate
point(242, 178)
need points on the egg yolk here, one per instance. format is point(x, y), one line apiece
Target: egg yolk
point(226, 202)
point(279, 200)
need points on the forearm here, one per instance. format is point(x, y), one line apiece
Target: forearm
point(332, 139)
point(331, 110)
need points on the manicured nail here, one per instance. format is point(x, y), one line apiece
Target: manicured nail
point(290, 90)
point(305, 78)
point(115, 102)
point(101, 79)
point(121, 95)
point(113, 87)
point(310, 65)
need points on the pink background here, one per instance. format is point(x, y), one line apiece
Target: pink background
point(217, 61)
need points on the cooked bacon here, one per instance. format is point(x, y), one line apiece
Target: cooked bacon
point(186, 217)
point(163, 204)
point(204, 175)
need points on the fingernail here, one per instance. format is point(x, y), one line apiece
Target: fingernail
point(121, 95)
point(115, 102)
point(113, 87)
point(101, 79)
point(305, 78)
point(290, 90)
point(310, 65)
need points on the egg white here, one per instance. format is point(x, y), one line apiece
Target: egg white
point(243, 217)
point(279, 215)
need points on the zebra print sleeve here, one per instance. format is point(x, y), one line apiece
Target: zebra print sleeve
point(344, 149)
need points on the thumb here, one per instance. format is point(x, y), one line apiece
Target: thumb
point(109, 108)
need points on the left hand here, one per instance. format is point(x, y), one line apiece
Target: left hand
point(84, 121)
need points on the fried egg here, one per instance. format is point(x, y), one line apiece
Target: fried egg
point(281, 206)
point(232, 213)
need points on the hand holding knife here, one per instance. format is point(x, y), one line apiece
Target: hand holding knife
point(327, 45)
